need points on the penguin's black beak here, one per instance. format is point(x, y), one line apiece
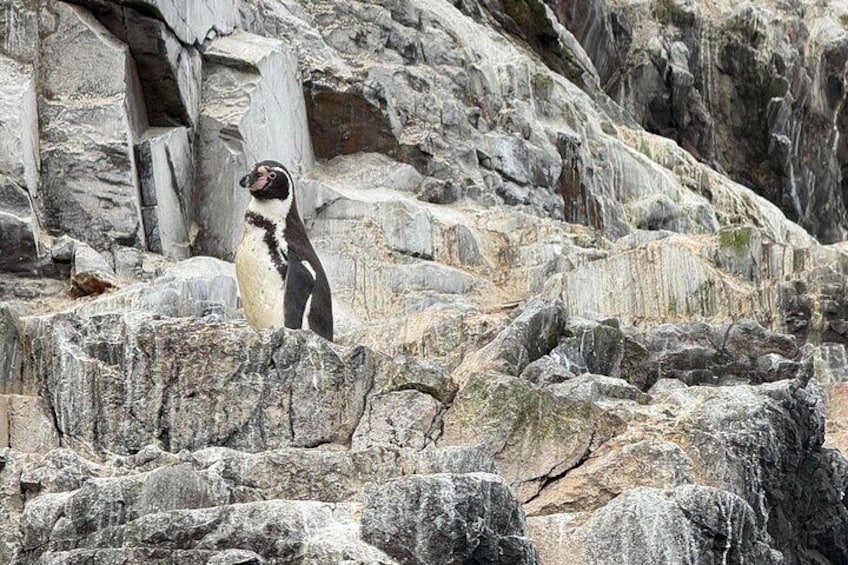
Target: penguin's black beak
point(249, 179)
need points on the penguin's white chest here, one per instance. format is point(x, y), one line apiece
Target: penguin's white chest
point(261, 285)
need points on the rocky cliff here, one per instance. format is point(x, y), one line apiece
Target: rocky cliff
point(586, 264)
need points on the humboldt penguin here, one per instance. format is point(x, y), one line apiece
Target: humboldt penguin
point(281, 280)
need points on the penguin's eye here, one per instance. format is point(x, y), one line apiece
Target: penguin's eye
point(272, 175)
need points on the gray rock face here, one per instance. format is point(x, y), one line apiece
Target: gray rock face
point(167, 403)
point(533, 334)
point(78, 509)
point(532, 434)
point(170, 71)
point(196, 287)
point(300, 525)
point(164, 157)
point(25, 424)
point(18, 228)
point(695, 353)
point(728, 534)
point(439, 518)
point(600, 33)
point(729, 424)
point(171, 395)
point(670, 63)
point(193, 24)
point(10, 348)
point(19, 143)
point(19, 30)
point(88, 124)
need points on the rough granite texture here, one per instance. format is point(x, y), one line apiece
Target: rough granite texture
point(586, 265)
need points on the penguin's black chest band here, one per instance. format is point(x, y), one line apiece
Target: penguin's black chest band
point(278, 257)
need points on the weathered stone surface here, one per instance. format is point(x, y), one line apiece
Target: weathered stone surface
point(295, 523)
point(599, 390)
point(93, 507)
point(19, 30)
point(196, 287)
point(402, 373)
point(669, 62)
point(700, 354)
point(25, 424)
point(559, 49)
point(251, 109)
point(534, 333)
point(11, 349)
point(169, 71)
point(769, 415)
point(405, 418)
point(591, 347)
point(531, 433)
point(559, 538)
point(674, 278)
point(90, 273)
point(546, 371)
point(706, 523)
point(89, 122)
point(443, 337)
point(296, 473)
point(192, 23)
point(694, 352)
point(440, 518)
point(19, 150)
point(720, 425)
point(164, 161)
point(18, 228)
point(169, 395)
point(155, 415)
point(330, 389)
point(597, 31)
point(167, 362)
point(150, 555)
point(611, 470)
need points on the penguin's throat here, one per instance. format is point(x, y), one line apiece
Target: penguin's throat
point(275, 210)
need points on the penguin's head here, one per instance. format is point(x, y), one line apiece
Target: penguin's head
point(268, 180)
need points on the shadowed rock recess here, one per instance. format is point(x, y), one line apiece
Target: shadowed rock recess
point(586, 262)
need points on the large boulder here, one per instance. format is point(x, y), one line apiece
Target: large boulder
point(446, 518)
point(699, 523)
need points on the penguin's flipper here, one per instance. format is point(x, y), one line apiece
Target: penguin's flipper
point(300, 280)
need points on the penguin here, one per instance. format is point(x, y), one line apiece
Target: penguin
point(282, 282)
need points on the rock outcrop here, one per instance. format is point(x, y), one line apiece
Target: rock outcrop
point(563, 338)
point(757, 89)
